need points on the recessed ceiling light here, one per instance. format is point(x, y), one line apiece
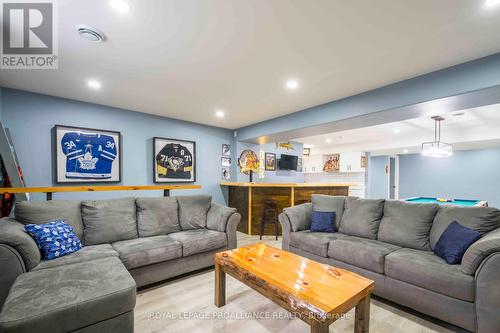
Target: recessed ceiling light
point(396, 130)
point(120, 5)
point(491, 3)
point(90, 33)
point(292, 84)
point(405, 151)
point(94, 84)
point(328, 140)
point(219, 114)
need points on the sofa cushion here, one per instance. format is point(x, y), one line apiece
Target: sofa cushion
point(87, 253)
point(454, 241)
point(299, 216)
point(69, 297)
point(199, 240)
point(38, 212)
point(193, 211)
point(12, 233)
point(407, 224)
point(361, 252)
point(157, 216)
point(481, 219)
point(362, 217)
point(425, 269)
point(329, 203)
point(107, 221)
point(146, 251)
point(218, 215)
point(54, 239)
point(314, 242)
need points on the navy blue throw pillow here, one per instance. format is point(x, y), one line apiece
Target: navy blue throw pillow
point(323, 221)
point(454, 241)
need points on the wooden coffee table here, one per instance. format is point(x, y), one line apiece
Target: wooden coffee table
point(317, 293)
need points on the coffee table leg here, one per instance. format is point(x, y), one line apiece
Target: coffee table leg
point(220, 286)
point(317, 327)
point(362, 316)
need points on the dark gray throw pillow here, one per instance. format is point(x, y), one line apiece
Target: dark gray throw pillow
point(193, 211)
point(480, 219)
point(362, 217)
point(107, 221)
point(157, 216)
point(329, 203)
point(407, 224)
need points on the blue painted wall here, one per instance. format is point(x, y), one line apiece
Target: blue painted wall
point(278, 176)
point(470, 76)
point(468, 174)
point(377, 178)
point(30, 118)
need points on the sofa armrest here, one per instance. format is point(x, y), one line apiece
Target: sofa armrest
point(12, 234)
point(299, 216)
point(218, 215)
point(231, 226)
point(480, 250)
point(488, 294)
point(286, 229)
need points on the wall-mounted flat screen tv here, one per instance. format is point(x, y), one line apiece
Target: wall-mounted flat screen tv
point(288, 162)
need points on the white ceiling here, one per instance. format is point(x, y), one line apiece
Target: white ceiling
point(476, 128)
point(186, 58)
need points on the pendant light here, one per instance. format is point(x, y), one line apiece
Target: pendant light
point(437, 148)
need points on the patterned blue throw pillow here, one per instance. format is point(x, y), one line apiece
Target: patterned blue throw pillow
point(323, 221)
point(54, 239)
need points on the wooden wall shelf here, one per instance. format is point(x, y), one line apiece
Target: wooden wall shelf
point(49, 190)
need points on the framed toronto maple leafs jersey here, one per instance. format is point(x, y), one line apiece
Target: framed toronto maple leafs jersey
point(174, 161)
point(86, 155)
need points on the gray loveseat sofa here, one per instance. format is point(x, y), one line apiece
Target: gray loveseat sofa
point(127, 243)
point(391, 242)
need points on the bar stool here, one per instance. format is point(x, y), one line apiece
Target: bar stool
point(269, 215)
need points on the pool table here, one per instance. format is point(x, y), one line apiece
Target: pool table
point(456, 202)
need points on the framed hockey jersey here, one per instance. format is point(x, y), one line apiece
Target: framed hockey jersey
point(174, 161)
point(86, 155)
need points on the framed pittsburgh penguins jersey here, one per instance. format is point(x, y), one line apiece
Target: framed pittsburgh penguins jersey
point(174, 160)
point(87, 155)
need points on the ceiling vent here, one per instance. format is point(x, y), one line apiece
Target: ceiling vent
point(90, 33)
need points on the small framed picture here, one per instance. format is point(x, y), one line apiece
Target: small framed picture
point(270, 162)
point(174, 161)
point(225, 161)
point(226, 149)
point(86, 155)
point(226, 174)
point(299, 164)
point(307, 152)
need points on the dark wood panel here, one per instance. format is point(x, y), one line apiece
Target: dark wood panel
point(238, 198)
point(280, 195)
point(303, 194)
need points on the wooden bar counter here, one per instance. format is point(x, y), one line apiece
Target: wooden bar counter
point(249, 199)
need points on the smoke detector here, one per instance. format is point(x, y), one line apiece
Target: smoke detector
point(90, 33)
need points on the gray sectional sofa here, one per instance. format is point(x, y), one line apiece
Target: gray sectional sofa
point(127, 243)
point(391, 242)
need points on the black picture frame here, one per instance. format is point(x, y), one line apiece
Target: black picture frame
point(225, 162)
point(165, 141)
point(59, 158)
point(226, 149)
point(267, 166)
